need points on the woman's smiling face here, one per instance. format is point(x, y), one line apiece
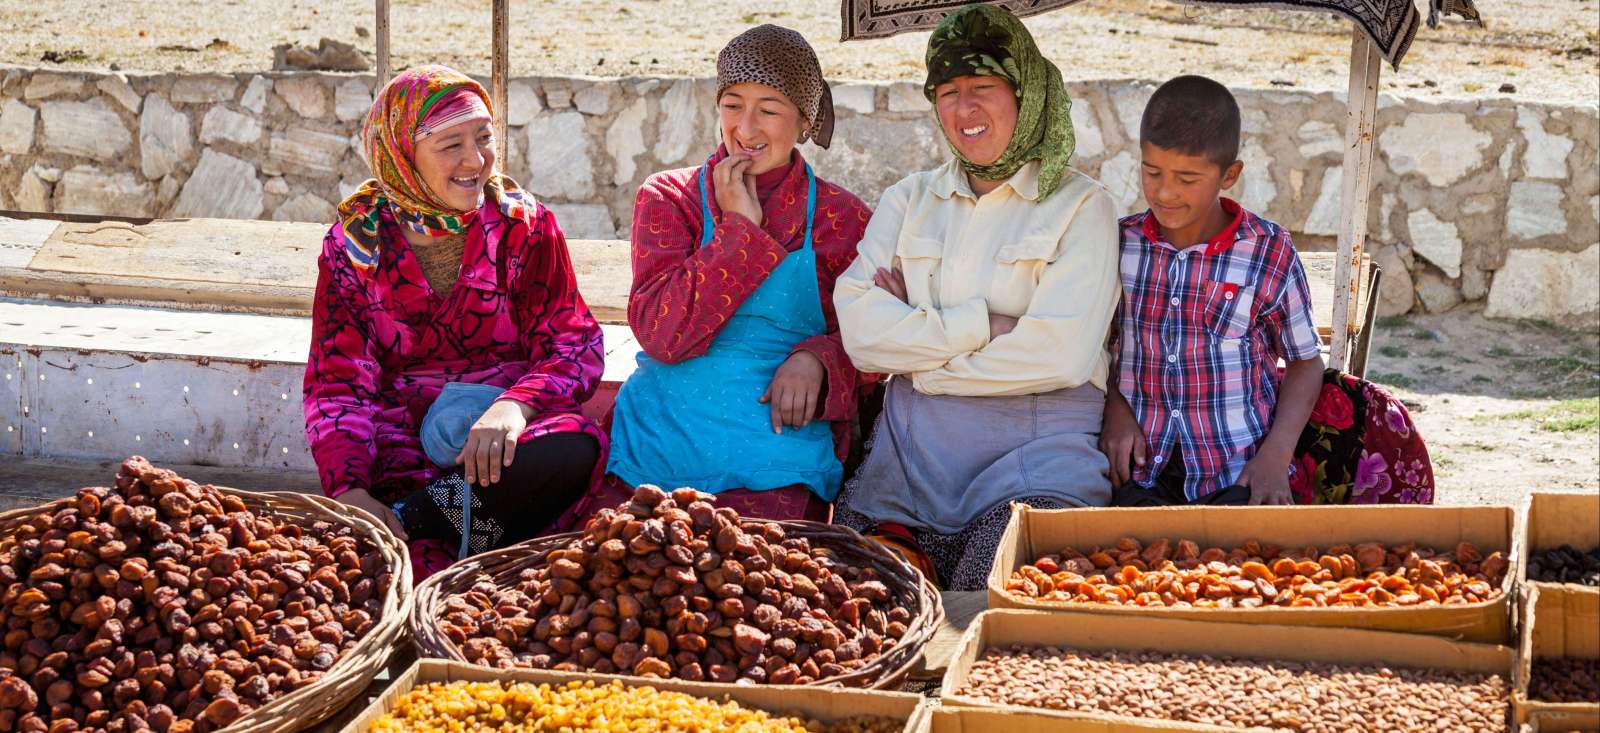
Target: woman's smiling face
point(456, 163)
point(978, 115)
point(759, 122)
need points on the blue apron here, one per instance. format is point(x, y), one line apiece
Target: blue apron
point(698, 422)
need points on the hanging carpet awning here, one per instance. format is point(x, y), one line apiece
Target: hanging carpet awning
point(1391, 24)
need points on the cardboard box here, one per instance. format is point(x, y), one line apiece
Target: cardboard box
point(1554, 519)
point(1559, 620)
point(822, 703)
point(980, 720)
point(1034, 532)
point(1562, 723)
point(1101, 632)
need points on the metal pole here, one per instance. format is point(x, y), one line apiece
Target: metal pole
point(1360, 121)
point(381, 37)
point(500, 67)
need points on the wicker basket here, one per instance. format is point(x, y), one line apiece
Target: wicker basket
point(909, 588)
point(351, 674)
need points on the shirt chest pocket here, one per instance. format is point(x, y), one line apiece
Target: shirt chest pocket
point(1227, 310)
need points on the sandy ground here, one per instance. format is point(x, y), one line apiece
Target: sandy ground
point(1545, 49)
point(1506, 407)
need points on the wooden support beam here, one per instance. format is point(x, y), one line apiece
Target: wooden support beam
point(500, 68)
point(380, 35)
point(1356, 190)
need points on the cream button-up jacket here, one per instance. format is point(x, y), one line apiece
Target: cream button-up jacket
point(1051, 264)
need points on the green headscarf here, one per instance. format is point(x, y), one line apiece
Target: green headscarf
point(984, 40)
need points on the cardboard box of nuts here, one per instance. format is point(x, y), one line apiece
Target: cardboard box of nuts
point(826, 704)
point(1559, 621)
point(1094, 632)
point(1555, 519)
point(1035, 532)
point(984, 720)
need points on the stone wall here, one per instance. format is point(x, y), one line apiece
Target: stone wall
point(1473, 199)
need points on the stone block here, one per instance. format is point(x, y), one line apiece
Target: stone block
point(522, 104)
point(255, 94)
point(277, 186)
point(860, 162)
point(45, 84)
point(1120, 175)
point(560, 156)
point(1086, 131)
point(1442, 147)
point(1474, 283)
point(351, 100)
point(1319, 138)
point(90, 129)
point(85, 189)
point(1545, 155)
point(557, 94)
point(1437, 241)
point(302, 152)
point(584, 221)
point(685, 114)
point(593, 100)
point(1539, 283)
point(1324, 217)
point(1395, 293)
point(221, 123)
point(116, 86)
point(1436, 293)
point(32, 194)
point(1255, 189)
point(165, 140)
point(1129, 100)
point(304, 94)
point(306, 207)
point(907, 96)
point(625, 141)
point(1534, 210)
point(203, 89)
point(222, 187)
point(861, 99)
point(17, 122)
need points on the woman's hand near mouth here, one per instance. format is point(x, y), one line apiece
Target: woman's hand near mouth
point(736, 187)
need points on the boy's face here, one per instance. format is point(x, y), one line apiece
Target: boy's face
point(1182, 189)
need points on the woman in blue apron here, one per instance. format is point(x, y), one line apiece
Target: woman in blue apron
point(743, 388)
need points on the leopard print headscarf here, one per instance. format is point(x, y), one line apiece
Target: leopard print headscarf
point(780, 58)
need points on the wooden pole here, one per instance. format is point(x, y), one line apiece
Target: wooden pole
point(381, 38)
point(1360, 122)
point(500, 68)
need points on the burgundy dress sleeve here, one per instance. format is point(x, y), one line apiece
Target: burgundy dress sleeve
point(340, 390)
point(562, 338)
point(682, 292)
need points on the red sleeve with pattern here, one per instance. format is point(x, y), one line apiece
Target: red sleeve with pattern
point(682, 293)
point(562, 338)
point(340, 391)
point(840, 221)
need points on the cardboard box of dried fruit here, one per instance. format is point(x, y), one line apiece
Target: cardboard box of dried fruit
point(1558, 621)
point(1551, 520)
point(1035, 532)
point(826, 704)
point(1104, 632)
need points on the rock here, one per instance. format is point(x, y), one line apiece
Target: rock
point(222, 187)
point(1545, 155)
point(907, 96)
point(348, 186)
point(1443, 146)
point(1120, 175)
point(1086, 132)
point(1255, 189)
point(1324, 216)
point(17, 122)
point(1385, 217)
point(32, 194)
point(116, 86)
point(1129, 101)
point(1534, 210)
point(522, 104)
point(1474, 283)
point(45, 84)
point(560, 156)
point(277, 186)
point(584, 221)
point(47, 173)
point(302, 152)
point(1594, 207)
point(1395, 294)
point(1319, 138)
point(625, 141)
point(646, 87)
point(1436, 293)
point(684, 117)
point(304, 94)
point(593, 100)
point(1540, 283)
point(351, 100)
point(557, 94)
point(165, 140)
point(305, 207)
point(168, 191)
point(860, 162)
point(85, 189)
point(203, 89)
point(255, 95)
point(1508, 88)
point(222, 123)
point(1482, 203)
point(1437, 241)
point(329, 55)
point(861, 99)
point(90, 129)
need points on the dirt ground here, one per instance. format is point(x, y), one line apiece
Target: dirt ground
point(1506, 407)
point(1544, 50)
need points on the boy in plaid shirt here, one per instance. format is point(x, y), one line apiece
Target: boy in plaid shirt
point(1213, 297)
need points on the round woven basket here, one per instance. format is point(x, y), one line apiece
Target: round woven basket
point(887, 671)
point(350, 675)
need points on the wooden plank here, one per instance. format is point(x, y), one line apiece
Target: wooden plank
point(1360, 124)
point(960, 608)
point(1321, 273)
point(381, 39)
point(500, 65)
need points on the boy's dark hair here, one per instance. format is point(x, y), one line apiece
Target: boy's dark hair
point(1194, 116)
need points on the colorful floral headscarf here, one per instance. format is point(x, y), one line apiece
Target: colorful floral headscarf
point(417, 103)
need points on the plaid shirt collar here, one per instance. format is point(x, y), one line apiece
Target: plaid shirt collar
point(1231, 233)
point(952, 180)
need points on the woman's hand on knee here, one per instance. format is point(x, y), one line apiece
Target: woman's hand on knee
point(492, 442)
point(795, 391)
point(361, 499)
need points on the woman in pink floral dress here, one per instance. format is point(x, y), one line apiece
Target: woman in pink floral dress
point(1360, 447)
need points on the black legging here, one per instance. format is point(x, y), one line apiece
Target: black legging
point(546, 475)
